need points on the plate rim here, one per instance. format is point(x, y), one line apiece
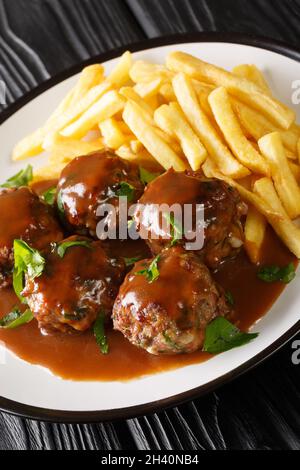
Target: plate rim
point(60, 416)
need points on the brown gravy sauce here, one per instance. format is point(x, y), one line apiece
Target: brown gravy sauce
point(78, 357)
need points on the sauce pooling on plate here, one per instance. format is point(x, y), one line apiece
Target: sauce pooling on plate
point(78, 357)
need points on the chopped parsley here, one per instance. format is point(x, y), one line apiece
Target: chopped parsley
point(146, 176)
point(49, 196)
point(274, 273)
point(22, 178)
point(16, 318)
point(61, 248)
point(99, 332)
point(27, 261)
point(221, 336)
point(176, 228)
point(152, 272)
point(126, 190)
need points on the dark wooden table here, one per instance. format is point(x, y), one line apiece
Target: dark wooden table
point(39, 38)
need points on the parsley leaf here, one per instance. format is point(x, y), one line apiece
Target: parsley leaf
point(16, 318)
point(49, 196)
point(23, 178)
point(176, 228)
point(60, 204)
point(275, 273)
point(63, 247)
point(221, 336)
point(126, 190)
point(99, 332)
point(152, 272)
point(146, 176)
point(131, 261)
point(27, 260)
point(229, 298)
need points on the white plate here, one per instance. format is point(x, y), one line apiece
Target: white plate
point(31, 390)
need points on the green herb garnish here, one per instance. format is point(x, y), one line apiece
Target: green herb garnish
point(152, 272)
point(126, 190)
point(99, 332)
point(61, 248)
point(23, 178)
point(176, 228)
point(49, 196)
point(221, 336)
point(131, 261)
point(60, 204)
point(146, 176)
point(130, 223)
point(16, 318)
point(27, 261)
point(275, 273)
point(229, 298)
point(170, 342)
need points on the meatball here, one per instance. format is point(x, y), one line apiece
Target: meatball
point(23, 216)
point(169, 315)
point(75, 288)
point(223, 209)
point(91, 180)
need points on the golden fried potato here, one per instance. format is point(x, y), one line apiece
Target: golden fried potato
point(240, 87)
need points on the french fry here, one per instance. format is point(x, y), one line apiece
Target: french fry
point(229, 125)
point(149, 117)
point(248, 196)
point(203, 94)
point(239, 87)
point(153, 101)
point(284, 180)
point(143, 72)
point(172, 121)
point(258, 125)
point(65, 150)
point(53, 128)
point(151, 140)
point(209, 168)
point(119, 76)
point(283, 226)
point(295, 169)
point(141, 157)
point(33, 144)
point(48, 172)
point(298, 149)
point(148, 89)
point(167, 92)
point(252, 73)
point(255, 229)
point(130, 94)
point(90, 76)
point(221, 155)
point(108, 105)
point(112, 133)
point(29, 146)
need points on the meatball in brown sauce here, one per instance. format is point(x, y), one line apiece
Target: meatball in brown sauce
point(74, 288)
point(23, 216)
point(89, 181)
point(170, 314)
point(223, 209)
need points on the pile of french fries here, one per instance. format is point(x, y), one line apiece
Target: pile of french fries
point(186, 114)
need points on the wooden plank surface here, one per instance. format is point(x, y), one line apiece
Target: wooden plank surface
point(39, 38)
